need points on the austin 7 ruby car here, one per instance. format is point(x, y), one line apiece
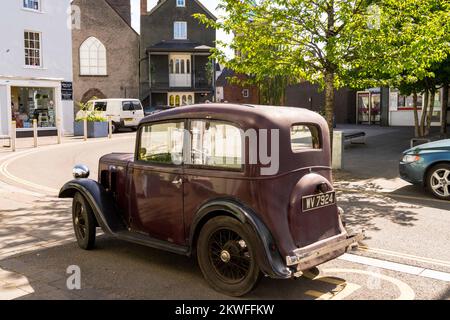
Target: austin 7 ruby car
point(246, 189)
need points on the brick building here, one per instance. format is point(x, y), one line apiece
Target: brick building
point(105, 50)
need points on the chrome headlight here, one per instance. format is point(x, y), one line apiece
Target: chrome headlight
point(410, 158)
point(80, 171)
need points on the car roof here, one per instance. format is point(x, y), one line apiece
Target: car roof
point(246, 115)
point(114, 99)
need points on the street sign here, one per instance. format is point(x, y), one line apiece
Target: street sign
point(66, 91)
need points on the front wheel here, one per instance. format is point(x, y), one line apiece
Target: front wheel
point(83, 222)
point(226, 253)
point(438, 181)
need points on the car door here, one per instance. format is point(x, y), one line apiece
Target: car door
point(156, 197)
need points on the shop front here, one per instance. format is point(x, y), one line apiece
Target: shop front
point(23, 101)
point(400, 110)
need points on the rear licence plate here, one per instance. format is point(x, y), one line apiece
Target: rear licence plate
point(318, 201)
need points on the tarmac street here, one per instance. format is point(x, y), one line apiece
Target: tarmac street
point(405, 254)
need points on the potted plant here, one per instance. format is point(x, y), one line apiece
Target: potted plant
point(97, 125)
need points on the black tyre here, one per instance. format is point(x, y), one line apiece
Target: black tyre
point(114, 127)
point(438, 181)
point(84, 223)
point(226, 253)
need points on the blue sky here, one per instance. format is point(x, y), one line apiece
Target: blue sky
point(210, 4)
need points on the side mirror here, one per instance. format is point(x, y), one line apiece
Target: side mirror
point(80, 171)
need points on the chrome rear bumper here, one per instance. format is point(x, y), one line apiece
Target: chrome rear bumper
point(304, 256)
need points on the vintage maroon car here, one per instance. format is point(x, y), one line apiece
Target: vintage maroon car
point(245, 188)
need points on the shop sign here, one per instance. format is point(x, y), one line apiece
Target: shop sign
point(66, 90)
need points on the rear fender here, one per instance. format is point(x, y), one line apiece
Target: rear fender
point(101, 202)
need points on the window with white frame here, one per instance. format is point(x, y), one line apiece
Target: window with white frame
point(246, 93)
point(181, 3)
point(180, 30)
point(32, 47)
point(32, 4)
point(93, 58)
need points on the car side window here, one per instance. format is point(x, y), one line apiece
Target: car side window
point(215, 144)
point(127, 106)
point(136, 105)
point(162, 143)
point(100, 106)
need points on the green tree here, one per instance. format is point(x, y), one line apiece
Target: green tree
point(331, 42)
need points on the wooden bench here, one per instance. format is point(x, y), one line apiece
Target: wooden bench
point(360, 136)
point(5, 137)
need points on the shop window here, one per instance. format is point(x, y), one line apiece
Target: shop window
point(32, 4)
point(28, 103)
point(93, 58)
point(32, 49)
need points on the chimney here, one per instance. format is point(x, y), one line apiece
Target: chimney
point(143, 7)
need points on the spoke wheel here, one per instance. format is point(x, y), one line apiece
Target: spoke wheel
point(229, 255)
point(439, 181)
point(226, 252)
point(84, 223)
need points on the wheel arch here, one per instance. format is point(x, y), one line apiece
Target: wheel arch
point(268, 255)
point(101, 202)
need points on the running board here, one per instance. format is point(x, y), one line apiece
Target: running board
point(148, 241)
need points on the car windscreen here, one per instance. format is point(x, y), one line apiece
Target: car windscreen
point(305, 137)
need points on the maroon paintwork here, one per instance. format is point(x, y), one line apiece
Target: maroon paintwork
point(152, 204)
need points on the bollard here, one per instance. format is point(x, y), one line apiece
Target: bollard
point(58, 130)
point(85, 129)
point(338, 150)
point(35, 137)
point(13, 136)
point(109, 127)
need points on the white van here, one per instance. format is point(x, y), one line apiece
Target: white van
point(125, 113)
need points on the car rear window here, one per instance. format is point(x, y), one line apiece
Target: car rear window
point(127, 106)
point(304, 137)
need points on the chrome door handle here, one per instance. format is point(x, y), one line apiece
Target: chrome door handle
point(177, 182)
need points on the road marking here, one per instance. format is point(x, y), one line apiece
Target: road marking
point(389, 193)
point(343, 288)
point(6, 161)
point(421, 272)
point(406, 293)
point(404, 255)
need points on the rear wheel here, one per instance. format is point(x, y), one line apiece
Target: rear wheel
point(114, 127)
point(226, 252)
point(438, 181)
point(83, 222)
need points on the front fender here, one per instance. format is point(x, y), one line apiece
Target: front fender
point(268, 256)
point(101, 201)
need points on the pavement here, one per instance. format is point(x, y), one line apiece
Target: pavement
point(400, 259)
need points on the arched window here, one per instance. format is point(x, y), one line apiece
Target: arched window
point(177, 66)
point(188, 66)
point(184, 100)
point(92, 57)
point(172, 100)
point(171, 66)
point(177, 100)
point(182, 66)
point(190, 100)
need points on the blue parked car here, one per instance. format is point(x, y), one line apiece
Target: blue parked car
point(428, 165)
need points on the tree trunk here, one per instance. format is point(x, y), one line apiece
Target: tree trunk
point(424, 113)
point(444, 123)
point(329, 101)
point(430, 110)
point(416, 116)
